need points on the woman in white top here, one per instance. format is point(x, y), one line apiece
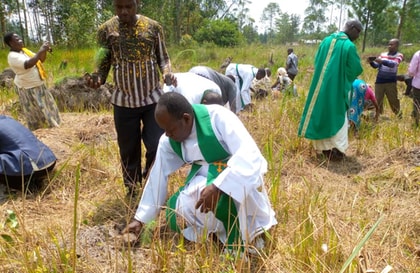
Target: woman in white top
point(37, 103)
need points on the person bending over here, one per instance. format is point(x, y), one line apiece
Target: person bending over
point(224, 192)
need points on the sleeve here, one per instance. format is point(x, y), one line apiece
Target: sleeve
point(231, 93)
point(389, 63)
point(103, 57)
point(162, 52)
point(413, 68)
point(247, 77)
point(354, 67)
point(246, 165)
point(16, 60)
point(155, 190)
point(374, 64)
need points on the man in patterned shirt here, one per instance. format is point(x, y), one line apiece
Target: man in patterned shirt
point(386, 79)
point(134, 46)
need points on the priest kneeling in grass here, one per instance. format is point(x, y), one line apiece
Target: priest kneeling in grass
point(224, 193)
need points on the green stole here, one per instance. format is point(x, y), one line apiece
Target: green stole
point(217, 157)
point(241, 83)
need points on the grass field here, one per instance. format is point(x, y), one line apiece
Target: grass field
point(332, 216)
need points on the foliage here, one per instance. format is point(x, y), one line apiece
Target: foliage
point(250, 34)
point(73, 24)
point(315, 18)
point(220, 32)
point(270, 14)
point(287, 28)
point(410, 34)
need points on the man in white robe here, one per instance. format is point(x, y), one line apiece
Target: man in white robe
point(194, 134)
point(192, 86)
point(244, 75)
point(227, 84)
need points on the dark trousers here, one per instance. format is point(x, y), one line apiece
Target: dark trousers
point(390, 91)
point(134, 125)
point(291, 76)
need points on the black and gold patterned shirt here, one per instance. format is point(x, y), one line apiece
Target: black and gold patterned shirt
point(137, 55)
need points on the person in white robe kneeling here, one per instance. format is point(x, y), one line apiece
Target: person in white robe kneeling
point(224, 192)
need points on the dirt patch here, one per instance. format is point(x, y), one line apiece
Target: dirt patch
point(6, 78)
point(77, 128)
point(73, 95)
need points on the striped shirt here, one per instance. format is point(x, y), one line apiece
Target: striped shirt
point(387, 71)
point(137, 55)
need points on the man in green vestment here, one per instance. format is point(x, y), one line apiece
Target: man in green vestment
point(324, 118)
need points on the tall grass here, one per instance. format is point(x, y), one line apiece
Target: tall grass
point(324, 210)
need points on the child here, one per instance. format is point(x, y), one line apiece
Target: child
point(363, 98)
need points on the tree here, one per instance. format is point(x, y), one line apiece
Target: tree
point(221, 32)
point(287, 28)
point(7, 7)
point(250, 33)
point(410, 18)
point(371, 15)
point(270, 13)
point(80, 25)
point(313, 23)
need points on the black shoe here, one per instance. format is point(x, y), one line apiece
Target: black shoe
point(327, 153)
point(337, 155)
point(333, 155)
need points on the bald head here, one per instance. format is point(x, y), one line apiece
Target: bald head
point(353, 28)
point(393, 45)
point(211, 97)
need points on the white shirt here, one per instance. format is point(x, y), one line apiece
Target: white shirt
point(25, 78)
point(247, 73)
point(192, 86)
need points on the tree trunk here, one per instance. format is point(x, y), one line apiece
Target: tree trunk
point(2, 21)
point(22, 33)
point(402, 19)
point(366, 31)
point(26, 34)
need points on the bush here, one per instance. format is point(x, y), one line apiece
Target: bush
point(223, 33)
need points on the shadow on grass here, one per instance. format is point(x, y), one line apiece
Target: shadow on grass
point(348, 166)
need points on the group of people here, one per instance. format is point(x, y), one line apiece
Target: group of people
point(224, 193)
point(328, 115)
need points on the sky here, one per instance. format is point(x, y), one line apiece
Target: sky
point(286, 6)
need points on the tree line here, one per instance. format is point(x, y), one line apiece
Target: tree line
point(74, 23)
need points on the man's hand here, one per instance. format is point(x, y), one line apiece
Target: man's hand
point(93, 80)
point(170, 79)
point(134, 227)
point(209, 197)
point(46, 47)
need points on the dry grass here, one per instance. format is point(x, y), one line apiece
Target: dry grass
point(324, 209)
